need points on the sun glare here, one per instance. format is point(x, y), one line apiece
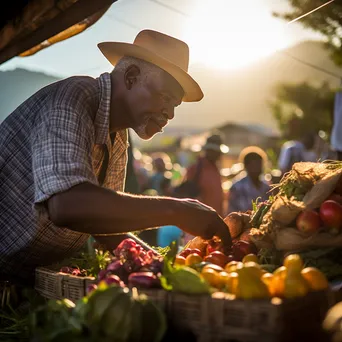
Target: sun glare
point(229, 34)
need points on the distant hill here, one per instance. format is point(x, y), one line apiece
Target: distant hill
point(17, 85)
point(239, 96)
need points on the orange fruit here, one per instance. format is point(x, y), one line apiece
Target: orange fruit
point(193, 259)
point(267, 278)
point(223, 279)
point(277, 283)
point(211, 277)
point(232, 283)
point(315, 278)
point(250, 257)
point(293, 262)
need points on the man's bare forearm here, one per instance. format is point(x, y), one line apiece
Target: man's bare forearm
point(95, 210)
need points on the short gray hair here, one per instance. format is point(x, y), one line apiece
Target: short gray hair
point(146, 68)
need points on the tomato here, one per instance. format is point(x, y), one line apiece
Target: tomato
point(308, 221)
point(180, 260)
point(184, 253)
point(193, 259)
point(217, 258)
point(242, 248)
point(331, 214)
point(214, 267)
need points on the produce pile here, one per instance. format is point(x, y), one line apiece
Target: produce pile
point(306, 212)
point(203, 268)
point(304, 216)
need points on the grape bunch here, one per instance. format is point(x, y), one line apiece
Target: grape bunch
point(133, 266)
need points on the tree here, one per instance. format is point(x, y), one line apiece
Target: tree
point(327, 21)
point(312, 105)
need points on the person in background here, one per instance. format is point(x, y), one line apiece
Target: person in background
point(207, 172)
point(299, 149)
point(158, 175)
point(336, 136)
point(209, 178)
point(251, 187)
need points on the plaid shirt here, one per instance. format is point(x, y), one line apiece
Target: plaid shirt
point(53, 141)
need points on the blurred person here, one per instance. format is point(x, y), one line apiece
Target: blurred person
point(158, 175)
point(205, 175)
point(64, 155)
point(336, 136)
point(251, 187)
point(298, 149)
point(207, 172)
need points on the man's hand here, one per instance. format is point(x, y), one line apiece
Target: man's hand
point(201, 220)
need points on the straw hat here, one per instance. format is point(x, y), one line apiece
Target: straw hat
point(168, 53)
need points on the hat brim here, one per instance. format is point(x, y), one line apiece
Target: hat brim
point(114, 51)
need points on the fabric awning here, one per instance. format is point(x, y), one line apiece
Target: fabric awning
point(28, 26)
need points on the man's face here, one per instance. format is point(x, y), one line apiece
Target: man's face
point(254, 168)
point(152, 102)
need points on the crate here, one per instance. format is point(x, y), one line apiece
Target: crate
point(217, 318)
point(225, 319)
point(56, 285)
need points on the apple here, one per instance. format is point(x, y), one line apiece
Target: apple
point(308, 221)
point(331, 214)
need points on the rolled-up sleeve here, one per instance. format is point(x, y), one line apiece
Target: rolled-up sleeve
point(62, 153)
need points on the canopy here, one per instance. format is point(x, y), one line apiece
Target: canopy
point(28, 26)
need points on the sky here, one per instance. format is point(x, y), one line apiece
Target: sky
point(221, 34)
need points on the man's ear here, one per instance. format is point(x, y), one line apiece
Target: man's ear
point(131, 76)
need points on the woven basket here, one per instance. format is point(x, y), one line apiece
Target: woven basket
point(218, 319)
point(56, 285)
point(222, 319)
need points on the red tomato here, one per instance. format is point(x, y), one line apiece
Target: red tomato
point(217, 258)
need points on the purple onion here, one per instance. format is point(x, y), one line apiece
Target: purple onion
point(102, 274)
point(143, 280)
point(113, 279)
point(115, 266)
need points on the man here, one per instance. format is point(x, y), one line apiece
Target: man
point(64, 152)
point(251, 187)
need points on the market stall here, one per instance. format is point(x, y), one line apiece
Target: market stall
point(267, 287)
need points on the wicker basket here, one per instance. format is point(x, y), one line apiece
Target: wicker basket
point(224, 319)
point(56, 285)
point(218, 319)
